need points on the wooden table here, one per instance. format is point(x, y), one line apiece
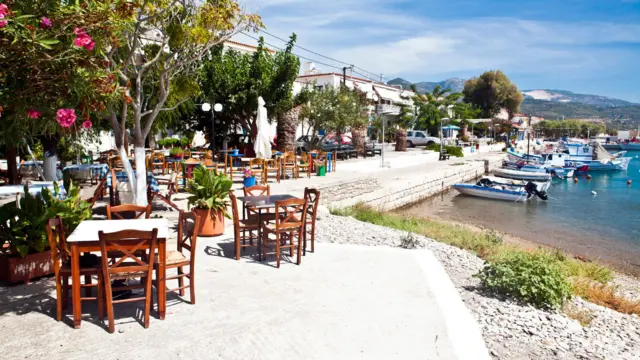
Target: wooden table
point(261, 203)
point(85, 239)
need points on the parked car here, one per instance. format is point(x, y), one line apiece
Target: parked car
point(420, 138)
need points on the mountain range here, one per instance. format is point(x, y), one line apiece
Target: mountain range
point(553, 104)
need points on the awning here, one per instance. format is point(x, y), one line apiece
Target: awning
point(476, 121)
point(360, 87)
point(388, 94)
point(450, 127)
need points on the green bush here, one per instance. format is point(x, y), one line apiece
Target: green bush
point(176, 151)
point(536, 278)
point(451, 150)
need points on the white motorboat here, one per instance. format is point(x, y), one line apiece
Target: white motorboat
point(541, 185)
point(522, 175)
point(487, 189)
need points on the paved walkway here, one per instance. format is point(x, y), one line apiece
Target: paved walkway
point(343, 302)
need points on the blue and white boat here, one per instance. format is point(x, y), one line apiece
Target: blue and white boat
point(487, 189)
point(596, 157)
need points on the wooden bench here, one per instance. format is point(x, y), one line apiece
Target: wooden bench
point(444, 155)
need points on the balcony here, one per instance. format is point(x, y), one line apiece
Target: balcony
point(387, 109)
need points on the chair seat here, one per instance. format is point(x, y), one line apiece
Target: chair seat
point(173, 257)
point(66, 269)
point(283, 228)
point(249, 223)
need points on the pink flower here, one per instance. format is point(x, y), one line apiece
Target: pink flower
point(83, 39)
point(33, 113)
point(87, 124)
point(66, 117)
point(4, 10)
point(3, 23)
point(45, 23)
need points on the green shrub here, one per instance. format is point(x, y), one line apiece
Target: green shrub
point(176, 151)
point(536, 278)
point(451, 150)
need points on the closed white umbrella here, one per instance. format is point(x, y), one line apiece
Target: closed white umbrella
point(262, 146)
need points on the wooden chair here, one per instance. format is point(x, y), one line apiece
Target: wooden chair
point(229, 164)
point(243, 230)
point(313, 200)
point(128, 211)
point(272, 166)
point(289, 226)
point(139, 267)
point(172, 188)
point(304, 164)
point(258, 190)
point(98, 192)
point(158, 162)
point(220, 163)
point(62, 269)
point(320, 159)
point(289, 164)
point(188, 224)
point(257, 167)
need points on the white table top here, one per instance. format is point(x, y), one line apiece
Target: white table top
point(88, 229)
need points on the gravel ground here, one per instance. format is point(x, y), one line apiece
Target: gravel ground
point(511, 330)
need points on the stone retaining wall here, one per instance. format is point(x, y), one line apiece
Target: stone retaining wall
point(406, 187)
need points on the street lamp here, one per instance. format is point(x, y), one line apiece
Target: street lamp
point(206, 107)
point(441, 121)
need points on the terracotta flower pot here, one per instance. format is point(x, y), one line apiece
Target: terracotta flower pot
point(211, 222)
point(17, 269)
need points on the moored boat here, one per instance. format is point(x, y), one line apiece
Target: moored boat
point(522, 175)
point(487, 189)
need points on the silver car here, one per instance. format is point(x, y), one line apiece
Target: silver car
point(420, 138)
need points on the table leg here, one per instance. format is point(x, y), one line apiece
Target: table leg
point(162, 286)
point(260, 234)
point(75, 286)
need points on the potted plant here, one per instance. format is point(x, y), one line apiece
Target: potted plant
point(176, 152)
point(209, 198)
point(185, 143)
point(25, 251)
point(248, 179)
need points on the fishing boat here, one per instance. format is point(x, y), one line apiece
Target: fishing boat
point(558, 172)
point(541, 185)
point(522, 175)
point(489, 190)
point(596, 157)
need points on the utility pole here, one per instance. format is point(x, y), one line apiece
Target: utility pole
point(344, 76)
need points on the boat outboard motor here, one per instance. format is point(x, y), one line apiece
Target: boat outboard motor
point(532, 189)
point(484, 182)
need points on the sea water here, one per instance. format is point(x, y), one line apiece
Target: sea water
point(603, 226)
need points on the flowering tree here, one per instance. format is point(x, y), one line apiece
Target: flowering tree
point(119, 59)
point(159, 47)
point(48, 76)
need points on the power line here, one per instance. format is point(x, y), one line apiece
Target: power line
point(324, 56)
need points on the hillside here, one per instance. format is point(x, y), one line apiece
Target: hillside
point(554, 104)
point(455, 84)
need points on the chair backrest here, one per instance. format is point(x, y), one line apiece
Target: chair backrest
point(97, 192)
point(257, 190)
point(135, 212)
point(289, 157)
point(235, 213)
point(128, 261)
point(188, 225)
point(57, 241)
point(305, 159)
point(158, 157)
point(272, 164)
point(256, 163)
point(292, 214)
point(313, 199)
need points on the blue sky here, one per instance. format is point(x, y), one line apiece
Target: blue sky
point(585, 46)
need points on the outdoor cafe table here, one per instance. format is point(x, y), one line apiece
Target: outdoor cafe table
point(34, 188)
point(97, 170)
point(85, 239)
point(261, 203)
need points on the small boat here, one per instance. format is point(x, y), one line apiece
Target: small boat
point(522, 175)
point(554, 171)
point(595, 156)
point(487, 189)
point(541, 185)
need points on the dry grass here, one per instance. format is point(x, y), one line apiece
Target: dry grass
point(605, 295)
point(583, 316)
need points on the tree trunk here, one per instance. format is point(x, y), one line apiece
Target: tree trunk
point(358, 134)
point(12, 166)
point(50, 161)
point(141, 175)
point(286, 130)
point(401, 139)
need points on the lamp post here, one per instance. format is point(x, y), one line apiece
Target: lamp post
point(206, 107)
point(441, 121)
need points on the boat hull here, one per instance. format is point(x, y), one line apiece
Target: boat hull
point(619, 164)
point(522, 175)
point(541, 186)
point(490, 193)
